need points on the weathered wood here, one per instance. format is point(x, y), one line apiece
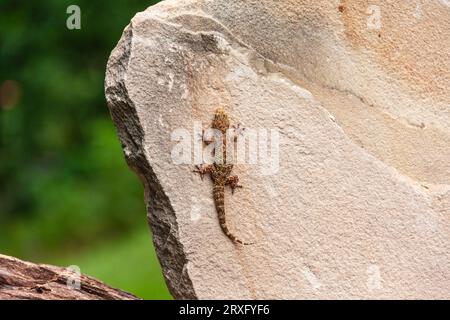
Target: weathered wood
point(25, 280)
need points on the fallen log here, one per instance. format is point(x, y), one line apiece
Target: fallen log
point(25, 280)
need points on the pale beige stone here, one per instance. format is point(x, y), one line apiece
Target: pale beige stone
point(360, 206)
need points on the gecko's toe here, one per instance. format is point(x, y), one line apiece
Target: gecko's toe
point(235, 187)
point(199, 171)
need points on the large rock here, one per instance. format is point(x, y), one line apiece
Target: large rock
point(359, 206)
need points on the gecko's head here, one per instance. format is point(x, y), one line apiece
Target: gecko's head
point(221, 121)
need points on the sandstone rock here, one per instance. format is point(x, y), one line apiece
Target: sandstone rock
point(359, 206)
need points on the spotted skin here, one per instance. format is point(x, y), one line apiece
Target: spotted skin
point(220, 173)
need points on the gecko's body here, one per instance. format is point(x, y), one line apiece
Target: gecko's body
point(220, 172)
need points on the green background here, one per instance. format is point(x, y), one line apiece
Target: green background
point(67, 196)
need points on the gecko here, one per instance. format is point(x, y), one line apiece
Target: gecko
point(220, 173)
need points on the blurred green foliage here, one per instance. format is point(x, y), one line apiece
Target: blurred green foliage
point(64, 184)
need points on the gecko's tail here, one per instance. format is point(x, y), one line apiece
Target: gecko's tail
point(219, 200)
point(231, 236)
point(244, 243)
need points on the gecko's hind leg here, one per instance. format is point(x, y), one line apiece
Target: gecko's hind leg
point(203, 169)
point(233, 182)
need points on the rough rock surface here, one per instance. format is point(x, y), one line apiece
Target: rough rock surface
point(28, 281)
point(359, 94)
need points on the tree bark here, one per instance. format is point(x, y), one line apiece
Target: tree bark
point(25, 280)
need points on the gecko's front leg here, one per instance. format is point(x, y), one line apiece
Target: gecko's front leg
point(233, 182)
point(207, 136)
point(238, 131)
